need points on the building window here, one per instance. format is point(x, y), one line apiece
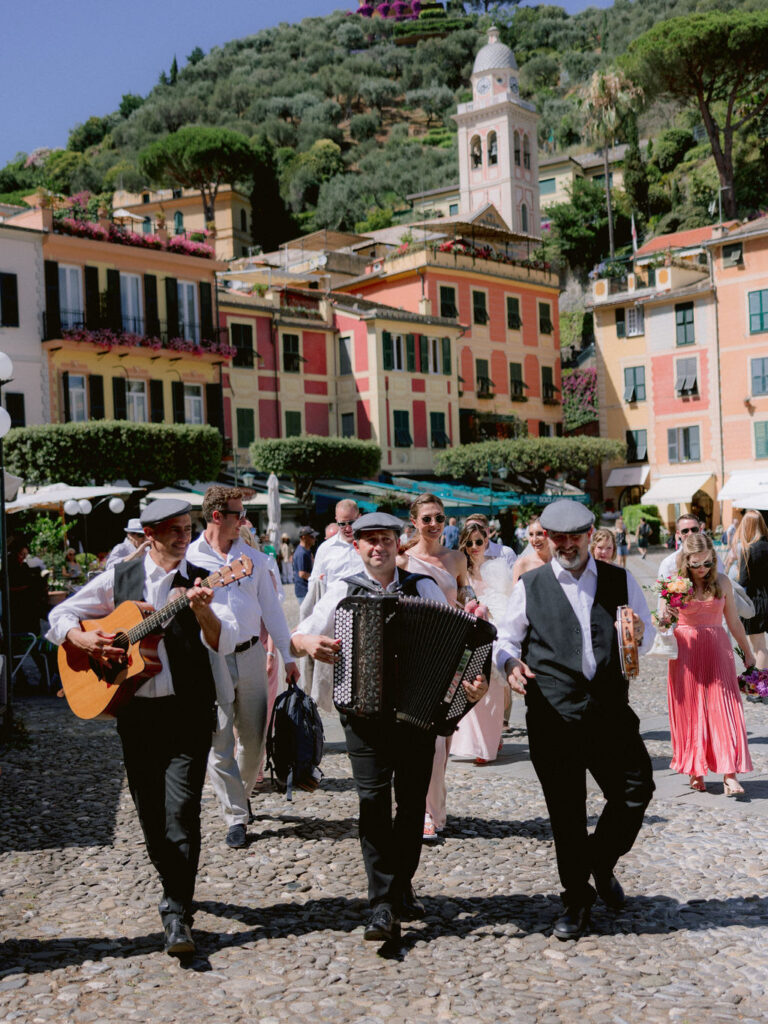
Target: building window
point(475, 152)
point(131, 308)
point(392, 351)
point(479, 308)
point(135, 401)
point(437, 430)
point(78, 408)
point(484, 382)
point(683, 444)
point(516, 383)
point(524, 218)
point(189, 322)
point(637, 446)
point(403, 437)
point(193, 403)
point(761, 439)
point(548, 186)
point(685, 377)
point(758, 311)
point(634, 384)
point(242, 341)
point(545, 318)
point(514, 323)
point(434, 353)
point(291, 355)
point(9, 301)
point(733, 255)
point(493, 148)
point(545, 429)
point(246, 430)
point(243, 221)
point(760, 376)
point(526, 153)
point(548, 389)
point(14, 404)
point(448, 308)
point(347, 424)
point(453, 209)
point(345, 356)
point(178, 222)
point(621, 322)
point(684, 323)
point(635, 321)
point(71, 297)
point(293, 424)
point(517, 148)
point(146, 226)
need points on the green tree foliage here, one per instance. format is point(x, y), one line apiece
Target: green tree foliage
point(91, 133)
point(63, 171)
point(196, 56)
point(309, 458)
point(632, 513)
point(718, 61)
point(129, 103)
point(108, 450)
point(201, 158)
point(670, 147)
point(271, 223)
point(364, 126)
point(537, 458)
point(578, 236)
point(303, 174)
point(635, 173)
point(173, 75)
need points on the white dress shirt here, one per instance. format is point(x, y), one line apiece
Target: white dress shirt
point(496, 550)
point(581, 596)
point(119, 552)
point(96, 599)
point(251, 599)
point(335, 558)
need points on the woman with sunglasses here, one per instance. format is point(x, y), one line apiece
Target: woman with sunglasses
point(479, 734)
point(706, 717)
point(539, 553)
point(448, 568)
point(750, 545)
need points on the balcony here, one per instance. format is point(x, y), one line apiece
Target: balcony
point(550, 395)
point(134, 332)
point(516, 391)
point(462, 256)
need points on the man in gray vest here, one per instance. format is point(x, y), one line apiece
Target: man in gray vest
point(382, 750)
point(558, 645)
point(166, 728)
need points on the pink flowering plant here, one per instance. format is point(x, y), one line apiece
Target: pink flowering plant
point(676, 594)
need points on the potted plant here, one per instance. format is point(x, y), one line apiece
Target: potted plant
point(48, 541)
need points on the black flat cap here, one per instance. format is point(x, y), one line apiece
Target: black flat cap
point(566, 516)
point(162, 509)
point(376, 521)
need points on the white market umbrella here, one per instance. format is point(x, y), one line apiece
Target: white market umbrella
point(273, 509)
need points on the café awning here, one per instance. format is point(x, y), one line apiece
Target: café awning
point(746, 488)
point(675, 490)
point(628, 476)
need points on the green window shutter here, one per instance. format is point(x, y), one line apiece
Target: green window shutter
point(92, 299)
point(172, 315)
point(156, 402)
point(65, 391)
point(52, 307)
point(151, 312)
point(410, 353)
point(447, 356)
point(114, 312)
point(177, 401)
point(423, 353)
point(761, 440)
point(215, 406)
point(246, 432)
point(388, 353)
point(96, 396)
point(206, 310)
point(119, 403)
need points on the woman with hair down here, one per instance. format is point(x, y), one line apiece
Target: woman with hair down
point(751, 544)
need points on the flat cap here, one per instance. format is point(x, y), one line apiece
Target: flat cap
point(134, 526)
point(566, 516)
point(376, 521)
point(307, 531)
point(162, 509)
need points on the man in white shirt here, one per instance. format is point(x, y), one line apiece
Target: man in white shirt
point(686, 523)
point(165, 729)
point(135, 542)
point(558, 645)
point(337, 557)
point(241, 676)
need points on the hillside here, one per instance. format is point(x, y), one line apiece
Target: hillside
point(353, 114)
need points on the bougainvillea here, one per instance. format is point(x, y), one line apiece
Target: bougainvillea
point(106, 338)
point(579, 392)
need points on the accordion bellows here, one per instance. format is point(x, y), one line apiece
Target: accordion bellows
point(408, 656)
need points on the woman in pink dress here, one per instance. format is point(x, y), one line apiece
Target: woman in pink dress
point(706, 716)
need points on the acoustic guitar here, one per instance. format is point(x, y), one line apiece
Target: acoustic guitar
point(97, 689)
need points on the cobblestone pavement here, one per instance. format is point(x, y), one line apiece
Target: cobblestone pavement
point(278, 925)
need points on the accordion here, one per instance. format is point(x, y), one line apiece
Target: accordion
point(408, 656)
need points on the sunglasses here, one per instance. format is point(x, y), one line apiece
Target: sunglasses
point(230, 512)
point(439, 518)
point(344, 522)
point(702, 565)
point(476, 543)
point(688, 529)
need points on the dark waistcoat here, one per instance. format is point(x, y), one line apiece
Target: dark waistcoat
point(552, 648)
point(361, 583)
point(187, 656)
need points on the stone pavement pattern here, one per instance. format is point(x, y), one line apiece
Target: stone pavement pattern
point(278, 925)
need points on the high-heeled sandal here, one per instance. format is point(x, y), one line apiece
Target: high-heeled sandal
point(732, 788)
point(697, 784)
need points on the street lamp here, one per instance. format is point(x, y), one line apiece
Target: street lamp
point(83, 507)
point(6, 375)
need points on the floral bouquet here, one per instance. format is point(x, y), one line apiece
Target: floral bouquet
point(753, 683)
point(676, 592)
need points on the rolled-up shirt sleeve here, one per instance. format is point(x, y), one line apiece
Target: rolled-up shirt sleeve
point(93, 601)
point(229, 626)
point(511, 630)
point(639, 605)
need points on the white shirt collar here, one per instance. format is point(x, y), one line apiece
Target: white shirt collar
point(156, 572)
point(564, 575)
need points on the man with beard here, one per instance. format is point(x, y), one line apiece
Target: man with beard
point(558, 645)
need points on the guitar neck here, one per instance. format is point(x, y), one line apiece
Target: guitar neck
point(154, 622)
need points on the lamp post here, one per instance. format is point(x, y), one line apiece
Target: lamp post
point(6, 375)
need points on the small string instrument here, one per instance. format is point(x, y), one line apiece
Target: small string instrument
point(629, 653)
point(97, 689)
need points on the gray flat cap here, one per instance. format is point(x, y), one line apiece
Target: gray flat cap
point(134, 526)
point(162, 509)
point(307, 531)
point(566, 516)
point(377, 521)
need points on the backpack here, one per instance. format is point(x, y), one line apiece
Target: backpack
point(295, 742)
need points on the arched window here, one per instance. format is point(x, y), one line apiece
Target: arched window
point(178, 222)
point(243, 221)
point(524, 218)
point(475, 152)
point(493, 148)
point(146, 226)
point(517, 149)
point(526, 153)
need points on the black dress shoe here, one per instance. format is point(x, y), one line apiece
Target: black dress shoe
point(411, 908)
point(573, 923)
point(178, 937)
point(237, 837)
point(610, 891)
point(382, 926)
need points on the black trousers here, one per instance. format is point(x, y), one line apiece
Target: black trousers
point(383, 752)
point(165, 748)
point(609, 746)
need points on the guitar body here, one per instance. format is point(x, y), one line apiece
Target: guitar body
point(96, 690)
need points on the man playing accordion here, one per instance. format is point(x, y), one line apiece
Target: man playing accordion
point(383, 750)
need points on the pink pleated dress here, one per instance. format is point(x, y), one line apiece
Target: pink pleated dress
point(706, 716)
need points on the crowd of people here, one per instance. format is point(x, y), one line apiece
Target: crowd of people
point(554, 606)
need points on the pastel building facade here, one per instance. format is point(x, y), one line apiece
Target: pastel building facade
point(22, 291)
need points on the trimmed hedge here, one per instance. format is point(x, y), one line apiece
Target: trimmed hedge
point(109, 450)
point(304, 459)
point(632, 513)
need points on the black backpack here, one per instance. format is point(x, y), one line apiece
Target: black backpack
point(295, 742)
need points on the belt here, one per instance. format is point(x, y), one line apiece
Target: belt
point(246, 644)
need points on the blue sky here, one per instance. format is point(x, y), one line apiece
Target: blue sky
point(61, 63)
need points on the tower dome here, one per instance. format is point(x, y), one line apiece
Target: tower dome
point(494, 55)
